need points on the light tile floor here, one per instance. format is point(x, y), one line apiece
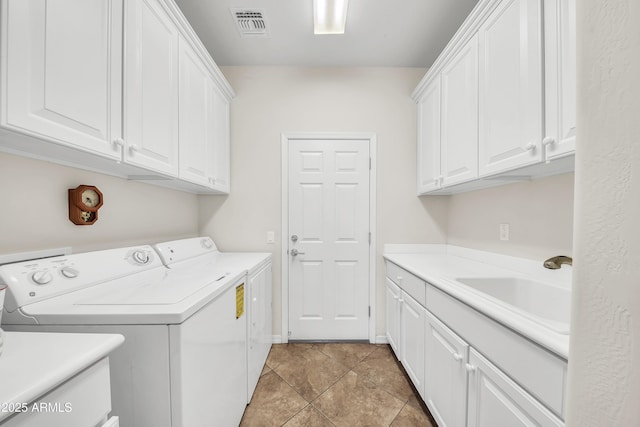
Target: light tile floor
point(334, 384)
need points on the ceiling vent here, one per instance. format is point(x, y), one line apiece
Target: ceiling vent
point(250, 22)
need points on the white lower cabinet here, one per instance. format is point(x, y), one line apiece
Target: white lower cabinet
point(446, 358)
point(393, 316)
point(470, 370)
point(495, 400)
point(412, 323)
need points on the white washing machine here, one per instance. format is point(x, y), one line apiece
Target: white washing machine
point(201, 254)
point(183, 363)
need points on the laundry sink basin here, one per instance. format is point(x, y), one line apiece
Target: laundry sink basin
point(547, 304)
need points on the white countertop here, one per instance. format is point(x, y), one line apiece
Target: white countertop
point(439, 265)
point(33, 363)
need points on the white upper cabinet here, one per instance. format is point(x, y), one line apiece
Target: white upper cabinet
point(221, 180)
point(459, 143)
point(124, 88)
point(506, 100)
point(428, 167)
point(151, 87)
point(510, 125)
point(196, 118)
point(560, 78)
point(58, 85)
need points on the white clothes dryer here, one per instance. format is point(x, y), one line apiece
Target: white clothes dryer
point(183, 362)
point(201, 254)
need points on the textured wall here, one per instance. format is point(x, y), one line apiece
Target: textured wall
point(34, 210)
point(272, 100)
point(604, 374)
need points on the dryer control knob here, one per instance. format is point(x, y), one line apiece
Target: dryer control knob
point(69, 273)
point(141, 257)
point(41, 277)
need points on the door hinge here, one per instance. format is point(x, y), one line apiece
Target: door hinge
point(369, 311)
point(289, 334)
point(369, 163)
point(369, 238)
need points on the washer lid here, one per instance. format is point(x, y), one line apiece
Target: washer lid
point(170, 289)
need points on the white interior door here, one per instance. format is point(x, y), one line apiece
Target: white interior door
point(328, 239)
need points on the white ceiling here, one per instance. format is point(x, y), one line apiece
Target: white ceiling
point(390, 33)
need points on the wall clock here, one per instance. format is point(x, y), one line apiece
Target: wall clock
point(84, 202)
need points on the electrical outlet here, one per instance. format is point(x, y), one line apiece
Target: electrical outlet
point(271, 237)
point(504, 231)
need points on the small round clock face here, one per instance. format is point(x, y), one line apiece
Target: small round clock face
point(90, 198)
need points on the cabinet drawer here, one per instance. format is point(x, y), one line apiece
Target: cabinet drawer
point(407, 281)
point(84, 400)
point(538, 371)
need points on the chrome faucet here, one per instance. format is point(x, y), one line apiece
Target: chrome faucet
point(556, 262)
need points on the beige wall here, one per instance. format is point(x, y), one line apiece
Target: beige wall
point(272, 100)
point(604, 374)
point(34, 209)
point(539, 214)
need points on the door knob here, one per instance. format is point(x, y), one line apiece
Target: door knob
point(294, 238)
point(295, 252)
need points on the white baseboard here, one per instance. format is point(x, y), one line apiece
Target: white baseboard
point(381, 339)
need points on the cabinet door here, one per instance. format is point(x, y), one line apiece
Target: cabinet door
point(510, 87)
point(62, 67)
point(412, 326)
point(196, 117)
point(429, 138)
point(459, 143)
point(393, 316)
point(495, 400)
point(560, 77)
point(151, 87)
point(221, 176)
point(445, 375)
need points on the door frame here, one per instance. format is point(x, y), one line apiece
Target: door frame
point(286, 138)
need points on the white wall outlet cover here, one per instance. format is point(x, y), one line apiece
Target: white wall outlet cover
point(504, 231)
point(271, 236)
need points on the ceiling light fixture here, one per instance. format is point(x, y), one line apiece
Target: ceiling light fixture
point(329, 16)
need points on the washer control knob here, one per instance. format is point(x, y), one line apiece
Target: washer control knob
point(141, 257)
point(41, 277)
point(207, 244)
point(69, 272)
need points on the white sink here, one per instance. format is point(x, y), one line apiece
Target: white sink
point(544, 303)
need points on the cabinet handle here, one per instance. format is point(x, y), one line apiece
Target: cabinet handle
point(548, 141)
point(133, 148)
point(399, 279)
point(530, 146)
point(470, 368)
point(118, 143)
point(457, 357)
